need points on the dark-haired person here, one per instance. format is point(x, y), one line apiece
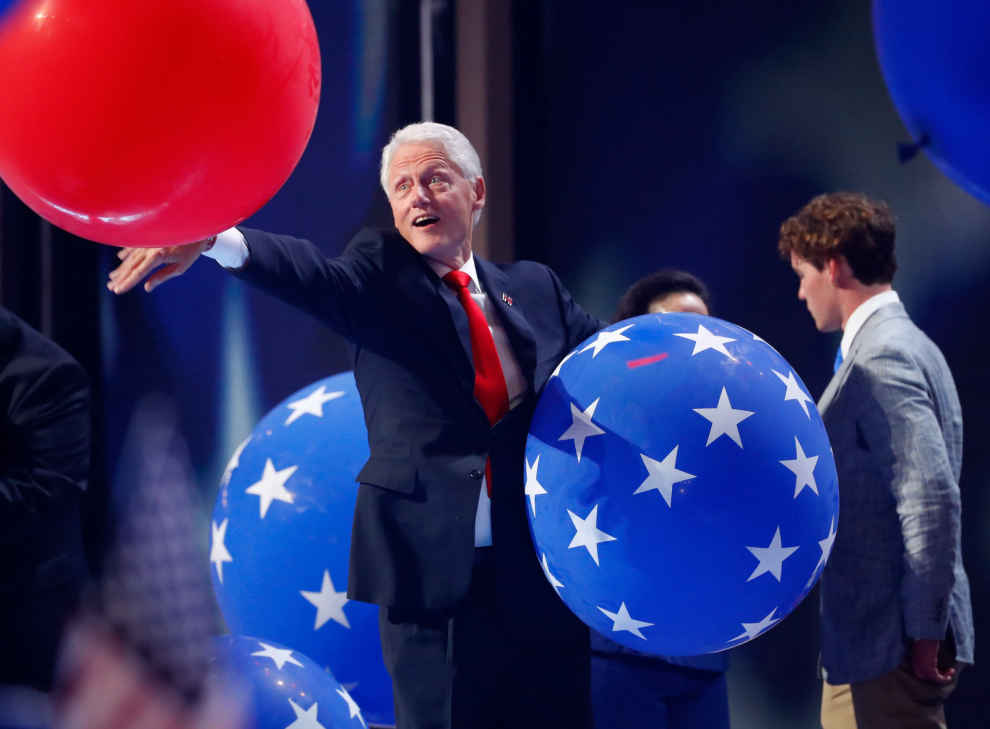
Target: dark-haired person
point(665, 290)
point(896, 615)
point(629, 689)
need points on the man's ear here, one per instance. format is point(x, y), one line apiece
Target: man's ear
point(479, 192)
point(840, 273)
point(831, 269)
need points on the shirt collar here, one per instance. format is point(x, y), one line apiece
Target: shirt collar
point(861, 313)
point(442, 269)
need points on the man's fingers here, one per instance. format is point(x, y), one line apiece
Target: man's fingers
point(163, 274)
point(137, 265)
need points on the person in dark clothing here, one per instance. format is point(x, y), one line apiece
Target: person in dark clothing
point(44, 470)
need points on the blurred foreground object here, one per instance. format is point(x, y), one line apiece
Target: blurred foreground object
point(139, 654)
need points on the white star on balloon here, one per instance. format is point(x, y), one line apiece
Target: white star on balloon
point(533, 487)
point(825, 545)
point(606, 338)
point(556, 371)
point(795, 391)
point(724, 419)
point(551, 578)
point(279, 656)
point(621, 620)
point(771, 558)
point(587, 534)
point(582, 427)
point(352, 707)
point(312, 404)
point(704, 339)
point(304, 719)
point(662, 475)
point(218, 550)
point(751, 630)
point(271, 487)
point(803, 468)
point(329, 604)
point(234, 462)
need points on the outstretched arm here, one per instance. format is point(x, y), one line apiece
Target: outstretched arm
point(156, 265)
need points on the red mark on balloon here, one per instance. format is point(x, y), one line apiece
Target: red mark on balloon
point(645, 360)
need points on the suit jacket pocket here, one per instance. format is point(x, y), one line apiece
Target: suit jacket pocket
point(393, 474)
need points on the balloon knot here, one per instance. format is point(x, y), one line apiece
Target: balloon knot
point(908, 151)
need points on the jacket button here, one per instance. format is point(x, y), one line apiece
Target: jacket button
point(475, 474)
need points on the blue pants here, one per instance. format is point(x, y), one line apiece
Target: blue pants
point(648, 693)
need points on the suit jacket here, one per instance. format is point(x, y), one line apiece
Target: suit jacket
point(44, 466)
point(895, 572)
point(412, 542)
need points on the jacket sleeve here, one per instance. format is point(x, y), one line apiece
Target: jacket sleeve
point(45, 433)
point(299, 273)
point(923, 486)
point(578, 324)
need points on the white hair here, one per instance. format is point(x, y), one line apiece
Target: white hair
point(454, 144)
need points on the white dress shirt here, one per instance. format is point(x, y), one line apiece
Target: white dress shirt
point(859, 316)
point(230, 251)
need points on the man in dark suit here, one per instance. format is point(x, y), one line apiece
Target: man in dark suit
point(44, 468)
point(450, 353)
point(896, 615)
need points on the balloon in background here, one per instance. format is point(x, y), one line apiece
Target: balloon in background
point(934, 59)
point(284, 686)
point(281, 538)
point(681, 489)
point(153, 123)
point(5, 7)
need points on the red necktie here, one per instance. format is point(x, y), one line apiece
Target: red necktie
point(489, 382)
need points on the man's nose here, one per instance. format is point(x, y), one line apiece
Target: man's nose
point(421, 194)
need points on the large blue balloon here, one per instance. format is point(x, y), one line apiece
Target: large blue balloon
point(5, 7)
point(681, 489)
point(286, 688)
point(934, 58)
point(281, 538)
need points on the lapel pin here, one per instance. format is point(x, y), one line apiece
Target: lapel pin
point(507, 299)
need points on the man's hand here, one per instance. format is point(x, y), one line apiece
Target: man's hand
point(924, 662)
point(136, 263)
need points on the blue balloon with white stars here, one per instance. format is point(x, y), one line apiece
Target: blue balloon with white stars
point(680, 484)
point(284, 688)
point(281, 534)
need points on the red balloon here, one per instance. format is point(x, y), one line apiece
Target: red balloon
point(154, 122)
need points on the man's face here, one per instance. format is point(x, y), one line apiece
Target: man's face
point(678, 301)
point(433, 204)
point(818, 292)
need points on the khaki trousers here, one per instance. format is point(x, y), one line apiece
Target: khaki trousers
point(896, 700)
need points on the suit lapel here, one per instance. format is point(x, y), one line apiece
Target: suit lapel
point(499, 289)
point(874, 321)
point(442, 315)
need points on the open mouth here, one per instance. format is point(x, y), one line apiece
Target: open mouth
point(424, 221)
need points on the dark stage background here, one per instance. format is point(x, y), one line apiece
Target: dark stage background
point(644, 136)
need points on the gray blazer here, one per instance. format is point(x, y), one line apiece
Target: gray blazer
point(896, 572)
